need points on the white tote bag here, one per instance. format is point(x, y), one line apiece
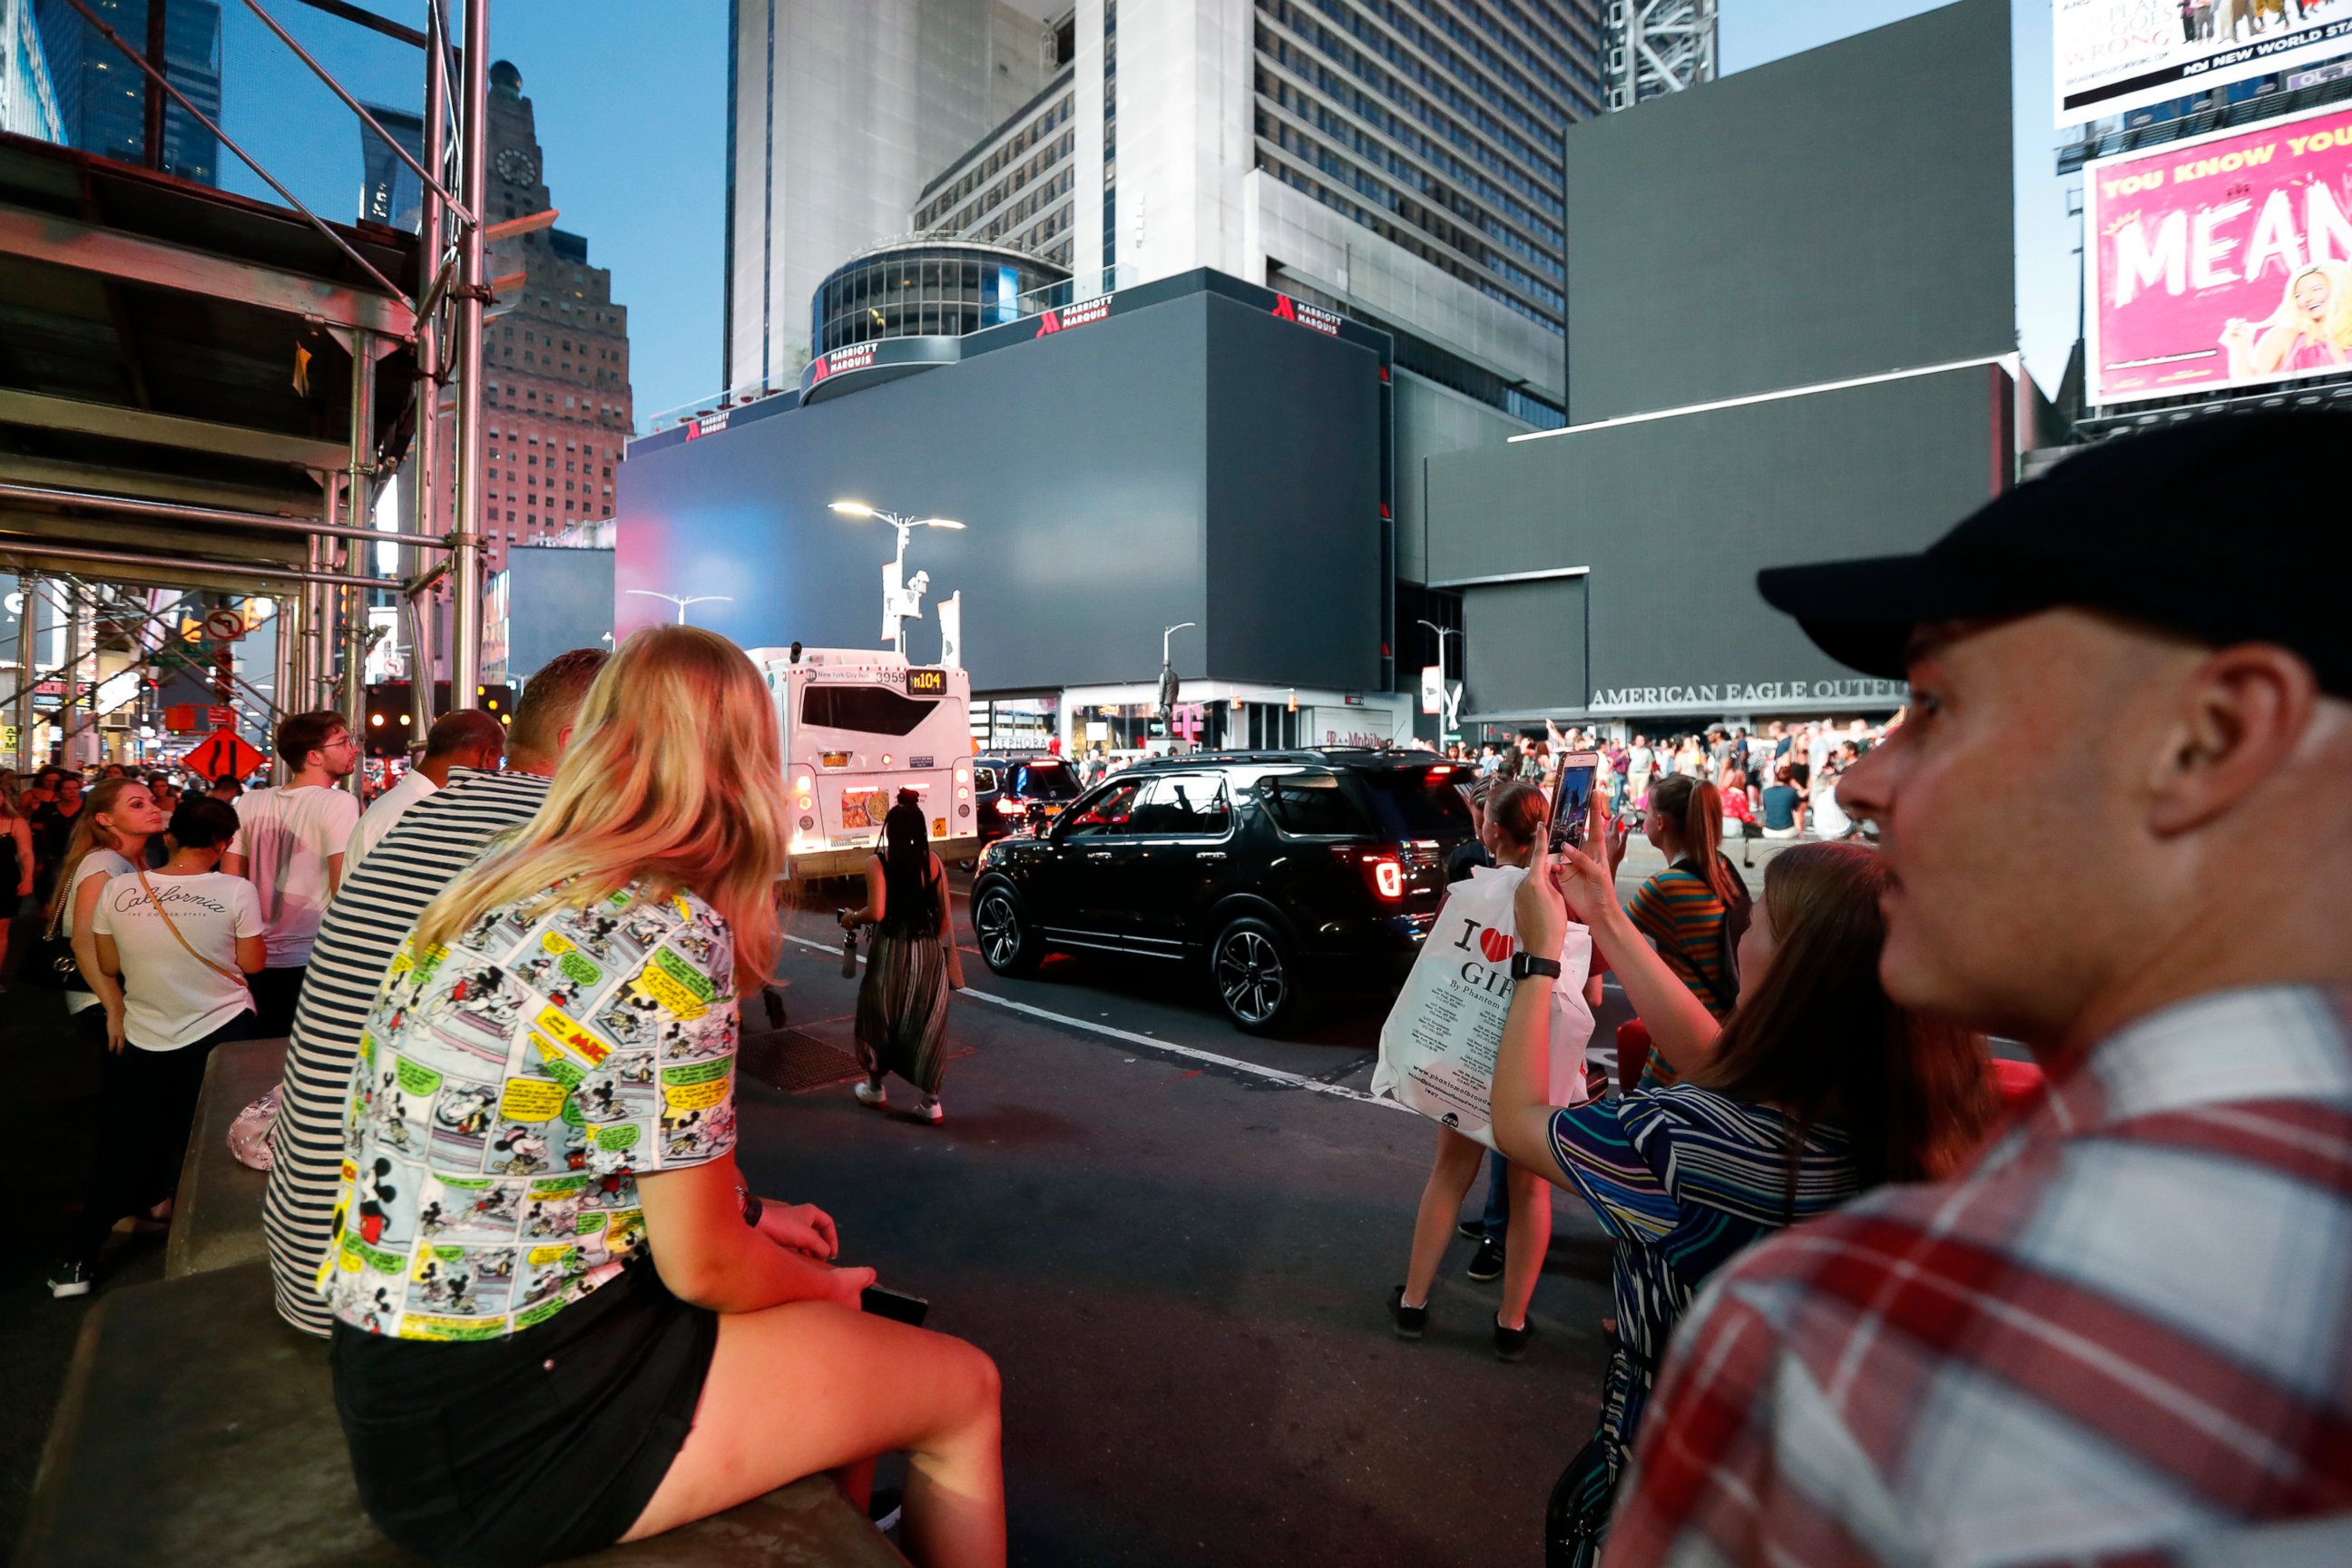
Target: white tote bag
point(1439, 1045)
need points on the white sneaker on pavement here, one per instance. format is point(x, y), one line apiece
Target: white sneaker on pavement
point(929, 1110)
point(871, 1093)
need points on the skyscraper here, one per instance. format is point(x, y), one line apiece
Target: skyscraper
point(838, 113)
point(556, 404)
point(389, 192)
point(102, 96)
point(28, 103)
point(1397, 160)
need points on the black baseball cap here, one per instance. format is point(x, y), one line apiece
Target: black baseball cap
point(2224, 528)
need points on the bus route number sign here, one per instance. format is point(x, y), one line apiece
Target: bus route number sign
point(927, 683)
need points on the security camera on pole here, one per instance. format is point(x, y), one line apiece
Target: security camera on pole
point(902, 601)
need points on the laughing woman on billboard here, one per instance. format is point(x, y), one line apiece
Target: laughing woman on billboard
point(2310, 330)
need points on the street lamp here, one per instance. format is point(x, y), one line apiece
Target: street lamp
point(682, 602)
point(906, 527)
point(1169, 686)
point(1443, 718)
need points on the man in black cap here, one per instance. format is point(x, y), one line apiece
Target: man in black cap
point(2120, 817)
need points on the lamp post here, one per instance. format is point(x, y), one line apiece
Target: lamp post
point(681, 600)
point(1167, 682)
point(1445, 720)
point(891, 603)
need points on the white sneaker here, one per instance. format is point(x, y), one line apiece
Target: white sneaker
point(928, 1109)
point(871, 1093)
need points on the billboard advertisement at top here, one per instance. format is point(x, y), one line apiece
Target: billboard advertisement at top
point(2219, 261)
point(2114, 55)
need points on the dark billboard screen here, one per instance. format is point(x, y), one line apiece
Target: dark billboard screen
point(1196, 460)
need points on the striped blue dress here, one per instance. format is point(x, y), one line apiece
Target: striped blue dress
point(1684, 1179)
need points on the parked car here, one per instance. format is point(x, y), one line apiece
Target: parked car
point(1278, 873)
point(1018, 792)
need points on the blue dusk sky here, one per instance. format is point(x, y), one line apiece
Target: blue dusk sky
point(631, 98)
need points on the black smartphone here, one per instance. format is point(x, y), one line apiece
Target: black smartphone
point(882, 1301)
point(1571, 799)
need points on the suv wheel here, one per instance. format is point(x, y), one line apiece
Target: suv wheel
point(1007, 945)
point(1256, 975)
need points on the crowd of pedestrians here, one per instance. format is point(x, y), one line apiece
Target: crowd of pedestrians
point(1780, 783)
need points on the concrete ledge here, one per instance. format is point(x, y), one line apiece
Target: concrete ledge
point(216, 1221)
point(196, 1427)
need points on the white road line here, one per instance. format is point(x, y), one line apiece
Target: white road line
point(1148, 1042)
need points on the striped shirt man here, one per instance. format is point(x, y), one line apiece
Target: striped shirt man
point(372, 915)
point(2123, 1336)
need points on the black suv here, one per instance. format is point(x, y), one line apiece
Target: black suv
point(1277, 870)
point(1020, 791)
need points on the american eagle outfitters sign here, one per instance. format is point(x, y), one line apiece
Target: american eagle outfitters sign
point(1746, 694)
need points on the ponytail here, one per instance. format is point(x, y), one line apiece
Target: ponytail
point(1696, 808)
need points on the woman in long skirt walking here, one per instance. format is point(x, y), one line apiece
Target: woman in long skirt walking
point(902, 1003)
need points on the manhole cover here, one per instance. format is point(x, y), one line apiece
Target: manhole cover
point(792, 1061)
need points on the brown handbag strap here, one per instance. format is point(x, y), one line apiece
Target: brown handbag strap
point(173, 927)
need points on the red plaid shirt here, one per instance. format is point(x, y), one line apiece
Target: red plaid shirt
point(2123, 1336)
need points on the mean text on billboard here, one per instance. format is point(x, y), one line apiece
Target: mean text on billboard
point(2222, 261)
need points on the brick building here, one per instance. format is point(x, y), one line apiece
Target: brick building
point(556, 406)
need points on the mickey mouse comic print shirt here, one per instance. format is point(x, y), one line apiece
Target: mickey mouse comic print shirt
point(507, 1092)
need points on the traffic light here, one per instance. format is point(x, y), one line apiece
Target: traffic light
point(391, 722)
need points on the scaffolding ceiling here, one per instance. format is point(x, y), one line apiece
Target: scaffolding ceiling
point(151, 332)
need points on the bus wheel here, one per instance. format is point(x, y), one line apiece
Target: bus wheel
point(1007, 944)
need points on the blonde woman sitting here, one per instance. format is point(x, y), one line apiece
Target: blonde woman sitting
point(561, 1320)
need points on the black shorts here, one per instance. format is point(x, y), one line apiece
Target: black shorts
point(545, 1445)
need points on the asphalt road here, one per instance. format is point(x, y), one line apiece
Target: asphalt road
point(1177, 1241)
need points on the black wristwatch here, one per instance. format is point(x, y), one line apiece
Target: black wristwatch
point(1525, 965)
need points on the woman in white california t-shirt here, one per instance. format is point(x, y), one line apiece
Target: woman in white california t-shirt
point(181, 939)
point(109, 837)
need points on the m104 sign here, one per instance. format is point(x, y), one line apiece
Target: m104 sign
point(2220, 261)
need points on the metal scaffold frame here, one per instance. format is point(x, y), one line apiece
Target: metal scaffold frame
point(1657, 47)
point(145, 437)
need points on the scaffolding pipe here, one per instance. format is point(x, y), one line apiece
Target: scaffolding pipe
point(354, 106)
point(229, 142)
point(28, 615)
point(17, 550)
point(282, 683)
point(473, 290)
point(424, 460)
point(71, 681)
point(355, 600)
point(135, 506)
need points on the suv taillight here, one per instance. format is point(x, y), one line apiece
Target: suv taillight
point(1384, 870)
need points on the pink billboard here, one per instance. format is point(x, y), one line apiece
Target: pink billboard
point(2220, 261)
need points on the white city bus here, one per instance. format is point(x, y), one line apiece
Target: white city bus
point(858, 726)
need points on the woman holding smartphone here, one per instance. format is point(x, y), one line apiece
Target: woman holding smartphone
point(1817, 1088)
point(562, 1321)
